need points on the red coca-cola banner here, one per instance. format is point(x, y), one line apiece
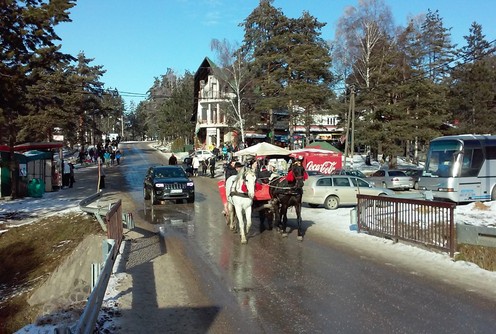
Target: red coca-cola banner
point(316, 160)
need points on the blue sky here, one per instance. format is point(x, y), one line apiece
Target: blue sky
point(136, 41)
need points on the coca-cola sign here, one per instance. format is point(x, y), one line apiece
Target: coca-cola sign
point(323, 163)
point(325, 167)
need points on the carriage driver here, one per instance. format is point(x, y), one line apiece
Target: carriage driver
point(231, 169)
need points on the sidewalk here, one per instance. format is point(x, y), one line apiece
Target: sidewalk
point(28, 209)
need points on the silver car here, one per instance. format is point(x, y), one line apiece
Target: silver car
point(392, 179)
point(333, 191)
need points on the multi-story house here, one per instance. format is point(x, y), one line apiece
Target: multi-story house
point(212, 128)
point(211, 100)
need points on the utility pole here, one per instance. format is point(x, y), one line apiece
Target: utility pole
point(349, 149)
point(352, 104)
point(346, 144)
point(271, 117)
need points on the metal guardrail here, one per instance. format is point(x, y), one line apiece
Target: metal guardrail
point(87, 321)
point(113, 221)
point(476, 235)
point(98, 212)
point(430, 223)
point(113, 225)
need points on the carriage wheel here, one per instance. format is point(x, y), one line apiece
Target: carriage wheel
point(331, 203)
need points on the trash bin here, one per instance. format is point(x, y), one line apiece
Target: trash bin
point(36, 188)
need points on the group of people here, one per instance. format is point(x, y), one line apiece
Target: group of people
point(207, 164)
point(264, 170)
point(108, 152)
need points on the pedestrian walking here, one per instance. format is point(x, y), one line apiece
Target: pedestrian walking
point(212, 167)
point(106, 158)
point(66, 174)
point(102, 176)
point(224, 152)
point(195, 164)
point(72, 179)
point(172, 160)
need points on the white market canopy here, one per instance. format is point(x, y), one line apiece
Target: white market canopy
point(262, 149)
point(311, 150)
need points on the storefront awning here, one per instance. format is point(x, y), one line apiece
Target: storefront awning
point(255, 135)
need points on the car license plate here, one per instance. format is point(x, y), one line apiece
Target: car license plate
point(176, 191)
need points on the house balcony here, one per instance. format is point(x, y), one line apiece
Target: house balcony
point(210, 124)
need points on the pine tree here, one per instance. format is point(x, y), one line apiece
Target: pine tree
point(472, 93)
point(27, 43)
point(308, 75)
point(262, 43)
point(291, 63)
point(85, 111)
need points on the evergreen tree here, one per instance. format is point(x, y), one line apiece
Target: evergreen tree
point(166, 113)
point(27, 42)
point(308, 77)
point(473, 89)
point(85, 112)
point(48, 101)
point(263, 39)
point(175, 112)
point(438, 50)
point(291, 62)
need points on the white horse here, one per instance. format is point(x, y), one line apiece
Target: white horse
point(240, 190)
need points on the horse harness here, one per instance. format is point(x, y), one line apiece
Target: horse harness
point(292, 190)
point(237, 193)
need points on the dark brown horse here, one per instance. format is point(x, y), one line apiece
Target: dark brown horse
point(286, 192)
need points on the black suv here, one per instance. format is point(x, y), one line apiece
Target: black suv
point(168, 183)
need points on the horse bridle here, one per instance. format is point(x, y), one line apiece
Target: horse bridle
point(237, 193)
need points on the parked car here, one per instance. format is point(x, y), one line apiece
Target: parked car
point(168, 183)
point(352, 172)
point(392, 179)
point(202, 154)
point(314, 172)
point(333, 191)
point(415, 174)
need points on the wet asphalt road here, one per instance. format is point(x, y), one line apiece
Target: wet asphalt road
point(276, 285)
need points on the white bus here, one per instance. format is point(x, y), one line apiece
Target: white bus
point(461, 168)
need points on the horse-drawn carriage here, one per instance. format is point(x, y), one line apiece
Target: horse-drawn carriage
point(270, 196)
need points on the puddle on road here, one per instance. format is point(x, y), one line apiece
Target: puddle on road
point(169, 219)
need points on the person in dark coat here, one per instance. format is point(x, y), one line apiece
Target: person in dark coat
point(72, 179)
point(204, 165)
point(102, 174)
point(212, 167)
point(230, 170)
point(172, 160)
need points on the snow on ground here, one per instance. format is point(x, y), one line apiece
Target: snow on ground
point(335, 223)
